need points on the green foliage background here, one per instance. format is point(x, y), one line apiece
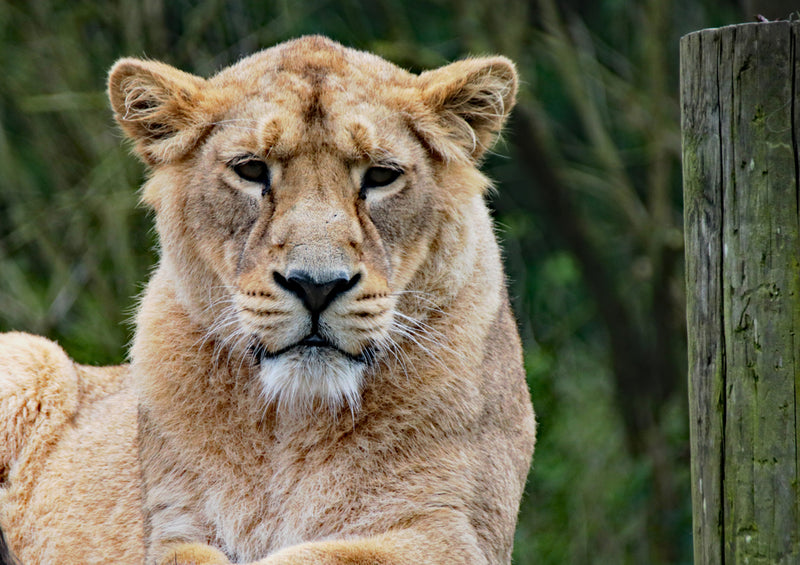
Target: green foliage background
point(588, 207)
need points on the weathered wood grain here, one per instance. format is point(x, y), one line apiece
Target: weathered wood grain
point(740, 164)
point(702, 182)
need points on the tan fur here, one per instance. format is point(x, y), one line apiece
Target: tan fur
point(406, 439)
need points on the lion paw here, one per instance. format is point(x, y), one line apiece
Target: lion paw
point(194, 554)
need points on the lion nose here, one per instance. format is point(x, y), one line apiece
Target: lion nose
point(316, 292)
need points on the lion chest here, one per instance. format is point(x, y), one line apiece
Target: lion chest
point(286, 494)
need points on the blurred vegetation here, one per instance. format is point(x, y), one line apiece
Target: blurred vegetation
point(589, 209)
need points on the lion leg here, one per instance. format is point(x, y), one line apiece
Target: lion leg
point(41, 389)
point(388, 549)
point(42, 392)
point(38, 395)
point(443, 537)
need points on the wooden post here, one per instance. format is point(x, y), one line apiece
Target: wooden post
point(739, 88)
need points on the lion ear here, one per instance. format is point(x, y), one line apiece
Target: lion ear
point(157, 106)
point(471, 100)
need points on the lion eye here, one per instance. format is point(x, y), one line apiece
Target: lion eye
point(376, 177)
point(253, 170)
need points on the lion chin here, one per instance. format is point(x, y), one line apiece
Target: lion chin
point(305, 377)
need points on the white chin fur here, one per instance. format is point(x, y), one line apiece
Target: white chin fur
point(302, 380)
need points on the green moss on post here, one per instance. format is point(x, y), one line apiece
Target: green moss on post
point(739, 98)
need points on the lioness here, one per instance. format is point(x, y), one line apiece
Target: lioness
point(326, 369)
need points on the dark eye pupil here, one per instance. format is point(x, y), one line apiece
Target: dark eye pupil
point(379, 176)
point(253, 171)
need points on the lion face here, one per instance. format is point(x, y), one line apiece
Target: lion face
point(325, 220)
point(303, 194)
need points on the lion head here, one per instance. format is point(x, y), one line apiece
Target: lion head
point(314, 202)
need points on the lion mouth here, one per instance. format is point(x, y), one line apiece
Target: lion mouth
point(316, 340)
point(312, 343)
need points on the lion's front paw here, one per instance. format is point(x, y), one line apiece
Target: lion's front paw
point(194, 554)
